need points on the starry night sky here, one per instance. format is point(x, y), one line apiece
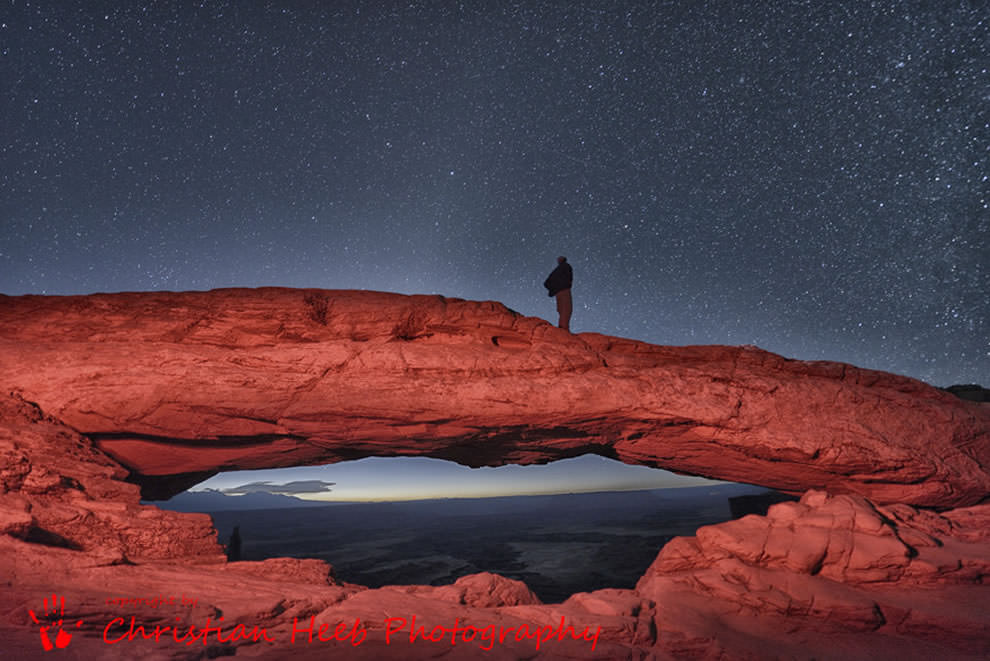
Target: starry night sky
point(808, 177)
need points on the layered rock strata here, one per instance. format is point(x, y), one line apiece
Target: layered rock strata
point(831, 565)
point(826, 577)
point(846, 572)
point(177, 386)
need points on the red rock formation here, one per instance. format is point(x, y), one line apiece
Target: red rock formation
point(179, 385)
point(59, 491)
point(829, 577)
point(837, 564)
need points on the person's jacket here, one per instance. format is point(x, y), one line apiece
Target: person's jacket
point(560, 279)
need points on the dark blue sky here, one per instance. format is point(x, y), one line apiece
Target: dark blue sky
point(808, 177)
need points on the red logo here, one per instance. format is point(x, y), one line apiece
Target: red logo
point(56, 610)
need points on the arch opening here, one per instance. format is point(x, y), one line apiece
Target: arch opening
point(574, 525)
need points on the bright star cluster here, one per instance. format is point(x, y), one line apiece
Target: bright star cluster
point(809, 177)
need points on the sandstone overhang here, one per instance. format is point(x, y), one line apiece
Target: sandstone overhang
point(178, 386)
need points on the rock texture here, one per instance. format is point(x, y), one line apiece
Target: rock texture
point(830, 577)
point(59, 491)
point(176, 386)
point(886, 555)
point(837, 564)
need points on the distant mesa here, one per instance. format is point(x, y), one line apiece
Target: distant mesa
point(971, 392)
point(118, 396)
point(215, 501)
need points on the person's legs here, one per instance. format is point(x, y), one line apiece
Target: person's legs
point(564, 308)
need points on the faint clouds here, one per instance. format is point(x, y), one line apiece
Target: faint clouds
point(286, 489)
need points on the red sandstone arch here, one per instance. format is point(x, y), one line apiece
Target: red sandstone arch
point(181, 385)
point(177, 386)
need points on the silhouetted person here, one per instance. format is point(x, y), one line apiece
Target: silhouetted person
point(558, 284)
point(234, 547)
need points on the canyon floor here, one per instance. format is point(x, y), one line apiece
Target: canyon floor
point(557, 544)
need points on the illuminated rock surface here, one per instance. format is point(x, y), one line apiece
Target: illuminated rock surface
point(179, 386)
point(886, 555)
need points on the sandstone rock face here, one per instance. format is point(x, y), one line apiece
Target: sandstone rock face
point(840, 565)
point(176, 386)
point(889, 559)
point(57, 490)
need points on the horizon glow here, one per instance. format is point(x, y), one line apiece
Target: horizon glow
point(417, 478)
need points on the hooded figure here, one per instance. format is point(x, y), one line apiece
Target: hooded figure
point(558, 284)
